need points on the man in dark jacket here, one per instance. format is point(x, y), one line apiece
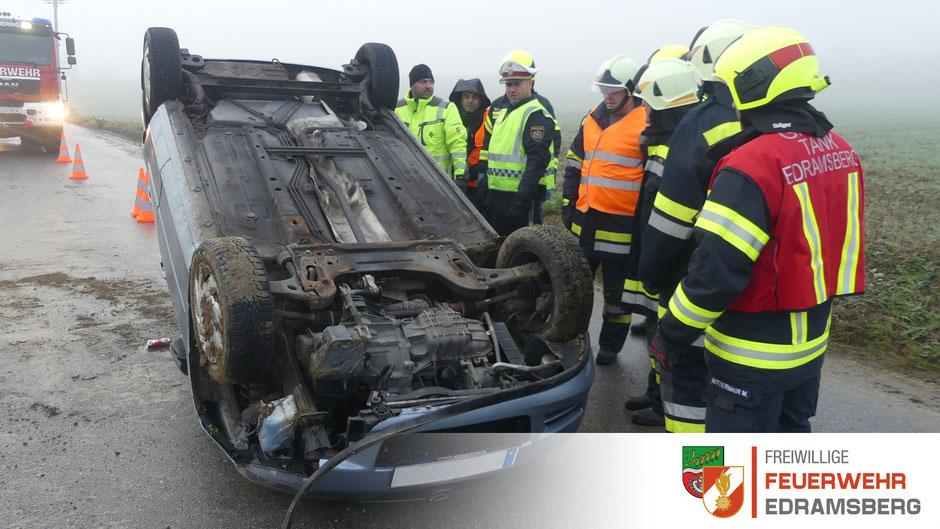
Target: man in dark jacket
point(471, 101)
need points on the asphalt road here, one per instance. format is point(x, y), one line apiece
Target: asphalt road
point(97, 431)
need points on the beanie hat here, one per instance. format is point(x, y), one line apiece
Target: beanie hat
point(420, 71)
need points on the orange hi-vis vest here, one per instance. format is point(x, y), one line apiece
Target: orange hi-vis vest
point(613, 165)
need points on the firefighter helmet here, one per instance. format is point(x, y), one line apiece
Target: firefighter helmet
point(668, 83)
point(517, 65)
point(676, 51)
point(616, 74)
point(770, 64)
point(711, 41)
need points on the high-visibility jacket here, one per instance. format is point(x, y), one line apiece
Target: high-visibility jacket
point(437, 125)
point(501, 104)
point(506, 156)
point(781, 234)
point(613, 165)
point(475, 145)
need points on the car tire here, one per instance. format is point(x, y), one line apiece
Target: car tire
point(567, 279)
point(382, 83)
point(231, 310)
point(161, 70)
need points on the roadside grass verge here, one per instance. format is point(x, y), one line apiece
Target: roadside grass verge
point(130, 130)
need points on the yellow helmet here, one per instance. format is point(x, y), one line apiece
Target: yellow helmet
point(615, 74)
point(668, 83)
point(770, 64)
point(675, 51)
point(517, 65)
point(710, 42)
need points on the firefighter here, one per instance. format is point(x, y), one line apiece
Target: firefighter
point(669, 89)
point(519, 150)
point(472, 103)
point(781, 235)
point(667, 241)
point(602, 184)
point(435, 122)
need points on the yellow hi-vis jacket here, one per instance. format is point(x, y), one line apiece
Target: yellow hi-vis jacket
point(437, 125)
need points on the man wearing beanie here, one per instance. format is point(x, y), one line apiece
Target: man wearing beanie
point(435, 122)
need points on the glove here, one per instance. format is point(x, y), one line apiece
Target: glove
point(663, 352)
point(461, 183)
point(567, 215)
point(520, 207)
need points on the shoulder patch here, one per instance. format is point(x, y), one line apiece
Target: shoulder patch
point(537, 132)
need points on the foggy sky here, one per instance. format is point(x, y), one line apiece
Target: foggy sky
point(878, 54)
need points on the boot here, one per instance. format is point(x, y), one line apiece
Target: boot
point(648, 417)
point(637, 403)
point(606, 357)
point(639, 328)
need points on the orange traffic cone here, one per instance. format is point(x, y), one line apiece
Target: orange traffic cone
point(142, 186)
point(78, 170)
point(146, 208)
point(63, 151)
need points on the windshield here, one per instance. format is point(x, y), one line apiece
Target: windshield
point(34, 50)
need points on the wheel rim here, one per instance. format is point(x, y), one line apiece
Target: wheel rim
point(207, 316)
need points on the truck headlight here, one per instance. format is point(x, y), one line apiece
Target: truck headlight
point(55, 111)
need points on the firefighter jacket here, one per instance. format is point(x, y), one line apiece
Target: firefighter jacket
point(520, 149)
point(436, 123)
point(501, 104)
point(603, 177)
point(781, 235)
point(667, 236)
point(473, 124)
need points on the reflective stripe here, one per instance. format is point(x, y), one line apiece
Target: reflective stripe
point(575, 229)
point(440, 111)
point(640, 300)
point(659, 150)
point(613, 236)
point(654, 167)
point(716, 134)
point(460, 166)
point(764, 355)
point(811, 232)
point(669, 227)
point(677, 210)
point(689, 313)
point(799, 326)
point(510, 158)
point(575, 164)
point(618, 159)
point(621, 249)
point(733, 227)
point(661, 311)
point(683, 427)
point(610, 183)
point(699, 342)
point(683, 411)
point(848, 267)
point(565, 202)
point(441, 158)
point(505, 172)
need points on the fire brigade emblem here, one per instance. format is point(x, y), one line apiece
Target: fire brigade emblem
point(693, 459)
point(537, 133)
point(724, 490)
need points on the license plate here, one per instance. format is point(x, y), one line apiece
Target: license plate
point(451, 469)
point(11, 110)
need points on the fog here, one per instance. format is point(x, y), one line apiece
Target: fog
point(881, 56)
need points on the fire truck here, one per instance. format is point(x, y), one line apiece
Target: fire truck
point(31, 104)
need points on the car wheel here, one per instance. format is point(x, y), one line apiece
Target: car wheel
point(161, 71)
point(562, 299)
point(382, 83)
point(231, 310)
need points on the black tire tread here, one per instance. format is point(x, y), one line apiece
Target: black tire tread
point(247, 308)
point(568, 269)
point(383, 68)
point(166, 72)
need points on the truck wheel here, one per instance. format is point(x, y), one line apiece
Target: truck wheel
point(161, 70)
point(232, 310)
point(564, 295)
point(382, 83)
point(51, 142)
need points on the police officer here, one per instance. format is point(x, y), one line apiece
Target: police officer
point(781, 235)
point(435, 122)
point(667, 240)
point(669, 89)
point(602, 185)
point(519, 150)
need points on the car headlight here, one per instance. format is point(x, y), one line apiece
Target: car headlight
point(55, 111)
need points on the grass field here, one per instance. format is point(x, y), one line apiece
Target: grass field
point(897, 321)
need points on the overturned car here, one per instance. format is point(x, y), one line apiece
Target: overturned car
point(331, 283)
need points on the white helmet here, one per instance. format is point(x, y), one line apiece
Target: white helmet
point(668, 83)
point(517, 65)
point(676, 51)
point(710, 42)
point(616, 74)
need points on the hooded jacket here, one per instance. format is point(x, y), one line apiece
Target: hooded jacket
point(472, 121)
